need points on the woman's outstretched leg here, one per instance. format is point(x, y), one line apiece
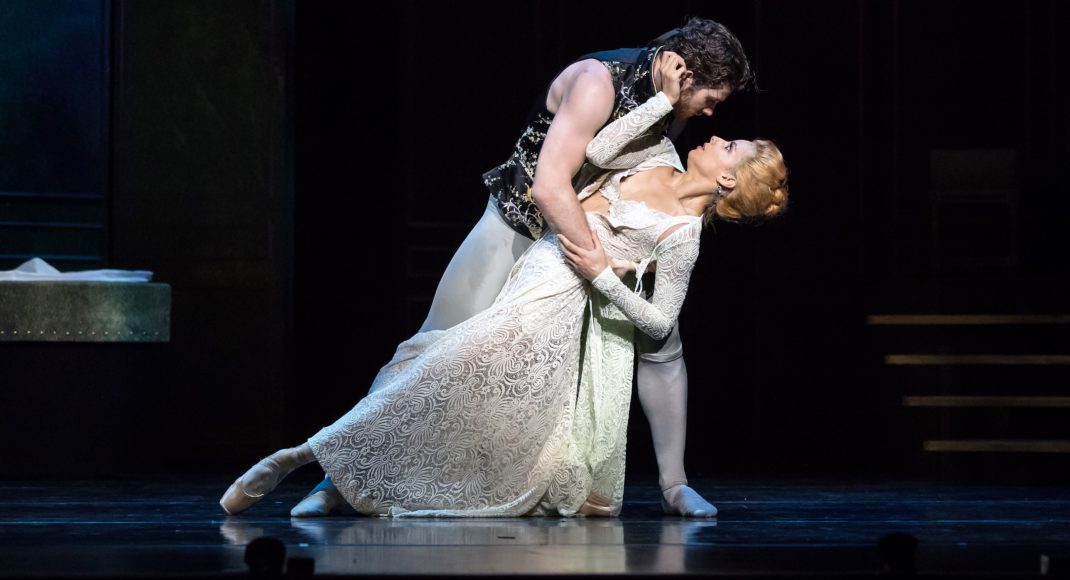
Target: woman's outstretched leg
point(661, 378)
point(262, 478)
point(472, 280)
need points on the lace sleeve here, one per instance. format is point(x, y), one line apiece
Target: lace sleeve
point(676, 258)
point(622, 143)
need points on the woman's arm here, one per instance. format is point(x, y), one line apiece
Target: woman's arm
point(676, 256)
point(623, 144)
point(607, 148)
point(657, 317)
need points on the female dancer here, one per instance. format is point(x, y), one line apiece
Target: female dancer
point(522, 409)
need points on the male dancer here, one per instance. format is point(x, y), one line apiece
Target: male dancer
point(701, 64)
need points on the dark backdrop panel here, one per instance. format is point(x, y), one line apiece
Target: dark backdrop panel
point(199, 194)
point(53, 98)
point(54, 58)
point(202, 197)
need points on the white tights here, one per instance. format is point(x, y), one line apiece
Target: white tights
point(477, 272)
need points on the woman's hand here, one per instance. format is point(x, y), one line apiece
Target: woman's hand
point(587, 263)
point(622, 267)
point(672, 71)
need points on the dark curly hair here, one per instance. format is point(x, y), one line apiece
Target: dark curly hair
point(712, 52)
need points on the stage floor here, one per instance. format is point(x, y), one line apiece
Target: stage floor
point(174, 525)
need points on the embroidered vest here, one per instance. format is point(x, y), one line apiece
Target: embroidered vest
point(510, 182)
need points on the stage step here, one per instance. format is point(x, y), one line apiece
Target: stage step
point(998, 445)
point(964, 319)
point(991, 388)
point(977, 359)
point(980, 401)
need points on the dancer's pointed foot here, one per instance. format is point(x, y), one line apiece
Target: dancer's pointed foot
point(681, 500)
point(320, 502)
point(596, 505)
point(261, 479)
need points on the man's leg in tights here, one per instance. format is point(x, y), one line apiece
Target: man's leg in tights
point(662, 384)
point(471, 282)
point(477, 272)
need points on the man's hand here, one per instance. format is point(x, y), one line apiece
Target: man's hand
point(587, 263)
point(672, 71)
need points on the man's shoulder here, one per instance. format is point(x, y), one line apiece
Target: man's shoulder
point(608, 66)
point(594, 70)
point(621, 55)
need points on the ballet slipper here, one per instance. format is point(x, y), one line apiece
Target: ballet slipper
point(320, 502)
point(686, 502)
point(241, 495)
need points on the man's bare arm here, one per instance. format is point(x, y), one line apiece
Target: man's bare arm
point(585, 106)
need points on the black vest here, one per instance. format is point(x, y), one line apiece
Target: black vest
point(510, 182)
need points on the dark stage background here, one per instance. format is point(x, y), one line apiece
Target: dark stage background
point(301, 172)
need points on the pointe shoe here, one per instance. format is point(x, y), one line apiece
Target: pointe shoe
point(596, 505)
point(240, 497)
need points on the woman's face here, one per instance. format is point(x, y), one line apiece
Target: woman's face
point(718, 159)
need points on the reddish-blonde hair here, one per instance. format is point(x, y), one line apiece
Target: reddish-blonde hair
point(761, 190)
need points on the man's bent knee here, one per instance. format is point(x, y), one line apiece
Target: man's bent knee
point(667, 349)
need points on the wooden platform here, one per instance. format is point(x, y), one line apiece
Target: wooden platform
point(174, 526)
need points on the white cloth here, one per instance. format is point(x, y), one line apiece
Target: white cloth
point(518, 410)
point(38, 269)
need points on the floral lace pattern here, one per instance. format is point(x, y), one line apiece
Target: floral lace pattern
point(510, 413)
point(627, 141)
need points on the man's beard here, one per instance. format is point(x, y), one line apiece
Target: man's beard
point(685, 100)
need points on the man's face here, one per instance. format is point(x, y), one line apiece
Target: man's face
point(702, 101)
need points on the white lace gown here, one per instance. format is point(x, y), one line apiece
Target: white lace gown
point(523, 408)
